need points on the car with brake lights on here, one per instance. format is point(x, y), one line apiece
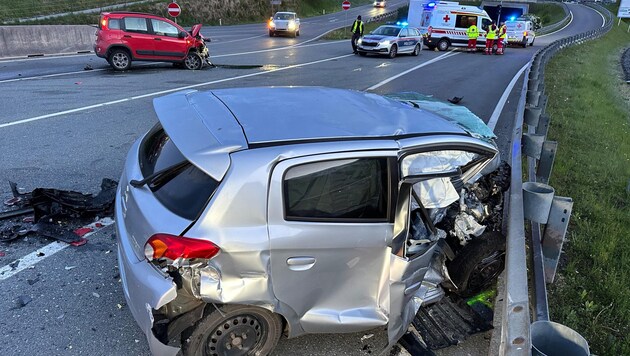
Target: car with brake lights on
point(284, 23)
point(124, 37)
point(391, 40)
point(239, 220)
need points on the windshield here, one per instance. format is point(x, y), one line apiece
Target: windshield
point(386, 31)
point(284, 17)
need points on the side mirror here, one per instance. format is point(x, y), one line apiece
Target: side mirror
point(182, 34)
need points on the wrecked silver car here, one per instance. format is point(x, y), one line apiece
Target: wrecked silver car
point(246, 213)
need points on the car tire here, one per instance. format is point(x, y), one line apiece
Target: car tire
point(255, 330)
point(393, 51)
point(524, 44)
point(294, 34)
point(271, 34)
point(193, 61)
point(297, 33)
point(495, 47)
point(119, 59)
point(416, 50)
point(443, 45)
point(531, 44)
point(478, 264)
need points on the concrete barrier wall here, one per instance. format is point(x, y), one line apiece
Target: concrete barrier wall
point(17, 41)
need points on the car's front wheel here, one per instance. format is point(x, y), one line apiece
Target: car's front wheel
point(416, 50)
point(234, 330)
point(193, 61)
point(393, 51)
point(443, 45)
point(297, 33)
point(271, 33)
point(119, 59)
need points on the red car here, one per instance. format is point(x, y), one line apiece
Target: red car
point(124, 37)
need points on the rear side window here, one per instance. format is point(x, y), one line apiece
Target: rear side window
point(465, 21)
point(136, 24)
point(182, 188)
point(338, 190)
point(114, 24)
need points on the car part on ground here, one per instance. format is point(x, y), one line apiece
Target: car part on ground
point(253, 195)
point(124, 37)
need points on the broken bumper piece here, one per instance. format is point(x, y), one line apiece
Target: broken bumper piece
point(150, 290)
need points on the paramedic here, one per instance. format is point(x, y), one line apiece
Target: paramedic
point(502, 38)
point(357, 32)
point(472, 33)
point(490, 37)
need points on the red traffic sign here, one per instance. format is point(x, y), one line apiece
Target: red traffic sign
point(345, 5)
point(174, 9)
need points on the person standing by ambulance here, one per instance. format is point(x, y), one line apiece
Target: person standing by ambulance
point(357, 32)
point(491, 35)
point(502, 38)
point(472, 33)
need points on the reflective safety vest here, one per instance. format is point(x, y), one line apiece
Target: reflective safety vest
point(472, 32)
point(503, 32)
point(357, 27)
point(492, 32)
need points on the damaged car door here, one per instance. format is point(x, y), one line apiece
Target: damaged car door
point(330, 224)
point(429, 182)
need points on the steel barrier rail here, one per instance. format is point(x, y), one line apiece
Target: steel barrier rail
point(557, 25)
point(515, 324)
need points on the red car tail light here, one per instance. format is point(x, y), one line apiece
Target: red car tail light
point(174, 247)
point(104, 23)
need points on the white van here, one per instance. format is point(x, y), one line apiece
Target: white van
point(445, 23)
point(520, 32)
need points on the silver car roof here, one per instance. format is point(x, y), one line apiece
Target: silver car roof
point(206, 126)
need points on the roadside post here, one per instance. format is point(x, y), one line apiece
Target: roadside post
point(345, 5)
point(174, 10)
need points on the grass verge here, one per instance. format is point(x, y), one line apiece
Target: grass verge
point(344, 33)
point(548, 13)
point(13, 9)
point(589, 106)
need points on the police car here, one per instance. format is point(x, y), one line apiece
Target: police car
point(391, 40)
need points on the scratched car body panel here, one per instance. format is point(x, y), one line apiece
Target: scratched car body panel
point(391, 40)
point(235, 211)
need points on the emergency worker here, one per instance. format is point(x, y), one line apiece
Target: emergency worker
point(472, 33)
point(357, 32)
point(490, 37)
point(502, 38)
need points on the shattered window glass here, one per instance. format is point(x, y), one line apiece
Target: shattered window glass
point(337, 190)
point(436, 162)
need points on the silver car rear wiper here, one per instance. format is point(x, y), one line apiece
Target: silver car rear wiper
point(160, 175)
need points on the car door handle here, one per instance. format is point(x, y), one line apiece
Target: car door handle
point(127, 36)
point(300, 263)
point(157, 39)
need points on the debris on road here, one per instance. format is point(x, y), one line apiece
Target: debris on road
point(96, 295)
point(2, 254)
point(87, 67)
point(455, 99)
point(67, 268)
point(367, 336)
point(57, 214)
point(22, 301)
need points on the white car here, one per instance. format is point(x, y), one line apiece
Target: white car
point(379, 3)
point(284, 23)
point(391, 40)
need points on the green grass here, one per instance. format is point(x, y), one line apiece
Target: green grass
point(344, 33)
point(13, 9)
point(589, 106)
point(548, 13)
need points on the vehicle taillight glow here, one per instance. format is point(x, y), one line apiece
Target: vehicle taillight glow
point(104, 23)
point(174, 247)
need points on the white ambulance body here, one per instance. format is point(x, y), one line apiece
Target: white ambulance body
point(446, 22)
point(520, 32)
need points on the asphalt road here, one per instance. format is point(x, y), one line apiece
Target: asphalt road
point(65, 127)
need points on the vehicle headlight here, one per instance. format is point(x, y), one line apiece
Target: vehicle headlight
point(272, 24)
point(359, 41)
point(291, 25)
point(384, 43)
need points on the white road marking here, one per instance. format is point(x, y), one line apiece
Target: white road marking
point(297, 45)
point(54, 56)
point(240, 39)
point(494, 118)
point(167, 91)
point(40, 254)
point(436, 59)
point(602, 15)
point(565, 26)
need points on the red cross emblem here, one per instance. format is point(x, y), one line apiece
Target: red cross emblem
point(519, 25)
point(446, 18)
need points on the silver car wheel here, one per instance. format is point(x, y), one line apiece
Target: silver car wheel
point(416, 50)
point(193, 61)
point(393, 51)
point(120, 60)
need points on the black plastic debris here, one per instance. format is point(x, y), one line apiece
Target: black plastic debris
point(56, 212)
point(21, 301)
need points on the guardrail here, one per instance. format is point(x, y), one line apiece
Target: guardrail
point(538, 205)
point(557, 25)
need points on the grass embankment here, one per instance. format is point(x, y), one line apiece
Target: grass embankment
point(589, 107)
point(208, 12)
point(344, 33)
point(548, 13)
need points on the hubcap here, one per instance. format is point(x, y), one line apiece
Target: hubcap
point(235, 337)
point(120, 60)
point(192, 62)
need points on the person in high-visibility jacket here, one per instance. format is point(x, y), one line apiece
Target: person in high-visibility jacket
point(491, 35)
point(472, 33)
point(502, 38)
point(357, 32)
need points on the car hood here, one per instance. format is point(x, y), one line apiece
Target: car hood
point(377, 38)
point(195, 30)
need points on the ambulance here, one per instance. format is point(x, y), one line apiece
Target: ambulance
point(444, 23)
point(520, 32)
